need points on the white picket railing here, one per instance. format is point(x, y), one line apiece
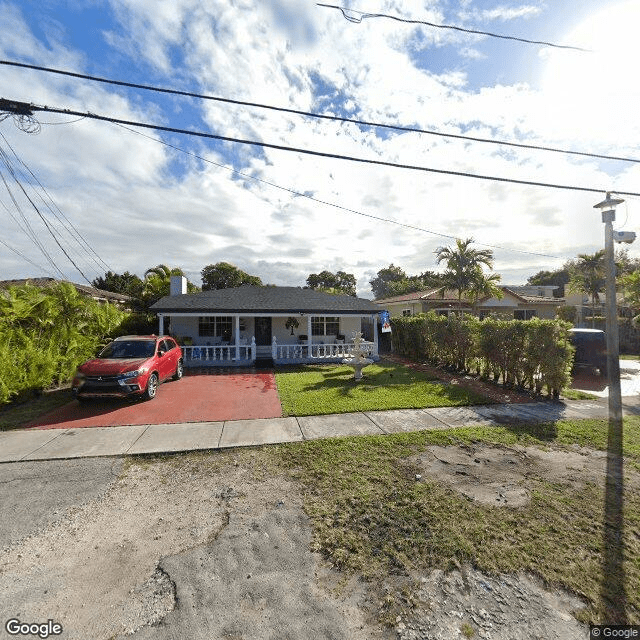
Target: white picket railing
point(218, 354)
point(318, 351)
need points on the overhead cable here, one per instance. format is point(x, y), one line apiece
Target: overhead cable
point(321, 116)
point(352, 15)
point(58, 213)
point(31, 262)
point(40, 215)
point(325, 202)
point(335, 156)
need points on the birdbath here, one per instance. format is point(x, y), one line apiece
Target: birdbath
point(358, 359)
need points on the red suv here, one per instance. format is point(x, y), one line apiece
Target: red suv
point(129, 366)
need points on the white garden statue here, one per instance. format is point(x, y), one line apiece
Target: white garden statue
point(358, 357)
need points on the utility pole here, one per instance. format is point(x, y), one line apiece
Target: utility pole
point(608, 208)
point(613, 588)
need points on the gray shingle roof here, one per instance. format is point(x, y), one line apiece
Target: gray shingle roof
point(264, 300)
point(100, 294)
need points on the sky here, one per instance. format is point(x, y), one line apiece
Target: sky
point(92, 196)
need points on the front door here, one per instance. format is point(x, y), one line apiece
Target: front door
point(263, 331)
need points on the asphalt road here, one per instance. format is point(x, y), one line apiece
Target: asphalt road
point(35, 494)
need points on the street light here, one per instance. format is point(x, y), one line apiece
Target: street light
point(613, 588)
point(608, 208)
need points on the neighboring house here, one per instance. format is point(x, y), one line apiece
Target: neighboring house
point(519, 306)
point(585, 309)
point(98, 295)
point(240, 325)
point(442, 301)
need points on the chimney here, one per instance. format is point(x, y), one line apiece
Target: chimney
point(178, 286)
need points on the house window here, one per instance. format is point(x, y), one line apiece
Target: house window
point(406, 312)
point(524, 314)
point(325, 326)
point(215, 327)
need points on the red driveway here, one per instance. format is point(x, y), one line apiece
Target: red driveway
point(195, 398)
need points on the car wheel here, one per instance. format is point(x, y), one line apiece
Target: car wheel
point(179, 370)
point(152, 387)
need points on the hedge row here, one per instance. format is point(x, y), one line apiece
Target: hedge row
point(534, 354)
point(46, 333)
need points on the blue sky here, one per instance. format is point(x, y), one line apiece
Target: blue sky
point(138, 203)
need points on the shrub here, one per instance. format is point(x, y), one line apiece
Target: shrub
point(46, 333)
point(534, 354)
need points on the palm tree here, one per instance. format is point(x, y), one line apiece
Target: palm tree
point(588, 276)
point(486, 286)
point(464, 267)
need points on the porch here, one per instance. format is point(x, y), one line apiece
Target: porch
point(245, 355)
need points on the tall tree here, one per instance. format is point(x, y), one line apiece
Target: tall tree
point(127, 283)
point(223, 275)
point(558, 278)
point(589, 276)
point(340, 283)
point(485, 286)
point(157, 283)
point(464, 267)
point(383, 284)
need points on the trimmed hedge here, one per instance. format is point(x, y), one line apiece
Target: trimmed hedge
point(46, 333)
point(534, 354)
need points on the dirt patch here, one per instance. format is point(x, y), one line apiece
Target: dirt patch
point(501, 476)
point(467, 603)
point(180, 550)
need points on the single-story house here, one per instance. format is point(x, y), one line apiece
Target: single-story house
point(520, 306)
point(99, 295)
point(242, 325)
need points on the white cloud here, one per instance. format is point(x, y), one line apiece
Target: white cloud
point(119, 189)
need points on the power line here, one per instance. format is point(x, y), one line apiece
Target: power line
point(325, 202)
point(37, 266)
point(27, 229)
point(320, 116)
point(68, 225)
point(336, 156)
point(40, 215)
point(361, 15)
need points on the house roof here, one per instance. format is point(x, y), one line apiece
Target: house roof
point(266, 300)
point(98, 294)
point(436, 295)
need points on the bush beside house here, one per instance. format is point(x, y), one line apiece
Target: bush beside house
point(535, 354)
point(46, 333)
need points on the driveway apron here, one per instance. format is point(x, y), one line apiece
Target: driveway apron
point(195, 398)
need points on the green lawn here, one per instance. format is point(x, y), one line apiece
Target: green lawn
point(320, 389)
point(372, 517)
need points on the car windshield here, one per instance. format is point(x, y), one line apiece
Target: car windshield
point(129, 349)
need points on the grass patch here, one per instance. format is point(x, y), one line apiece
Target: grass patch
point(318, 389)
point(626, 356)
point(371, 516)
point(575, 394)
point(18, 413)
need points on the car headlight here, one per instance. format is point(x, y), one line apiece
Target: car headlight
point(133, 374)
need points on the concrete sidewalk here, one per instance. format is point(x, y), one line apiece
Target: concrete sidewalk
point(51, 444)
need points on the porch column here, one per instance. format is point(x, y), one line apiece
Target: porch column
point(309, 336)
point(161, 321)
point(237, 320)
point(374, 319)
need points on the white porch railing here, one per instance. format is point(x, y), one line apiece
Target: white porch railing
point(299, 351)
point(219, 354)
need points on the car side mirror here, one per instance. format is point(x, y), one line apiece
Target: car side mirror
point(160, 354)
